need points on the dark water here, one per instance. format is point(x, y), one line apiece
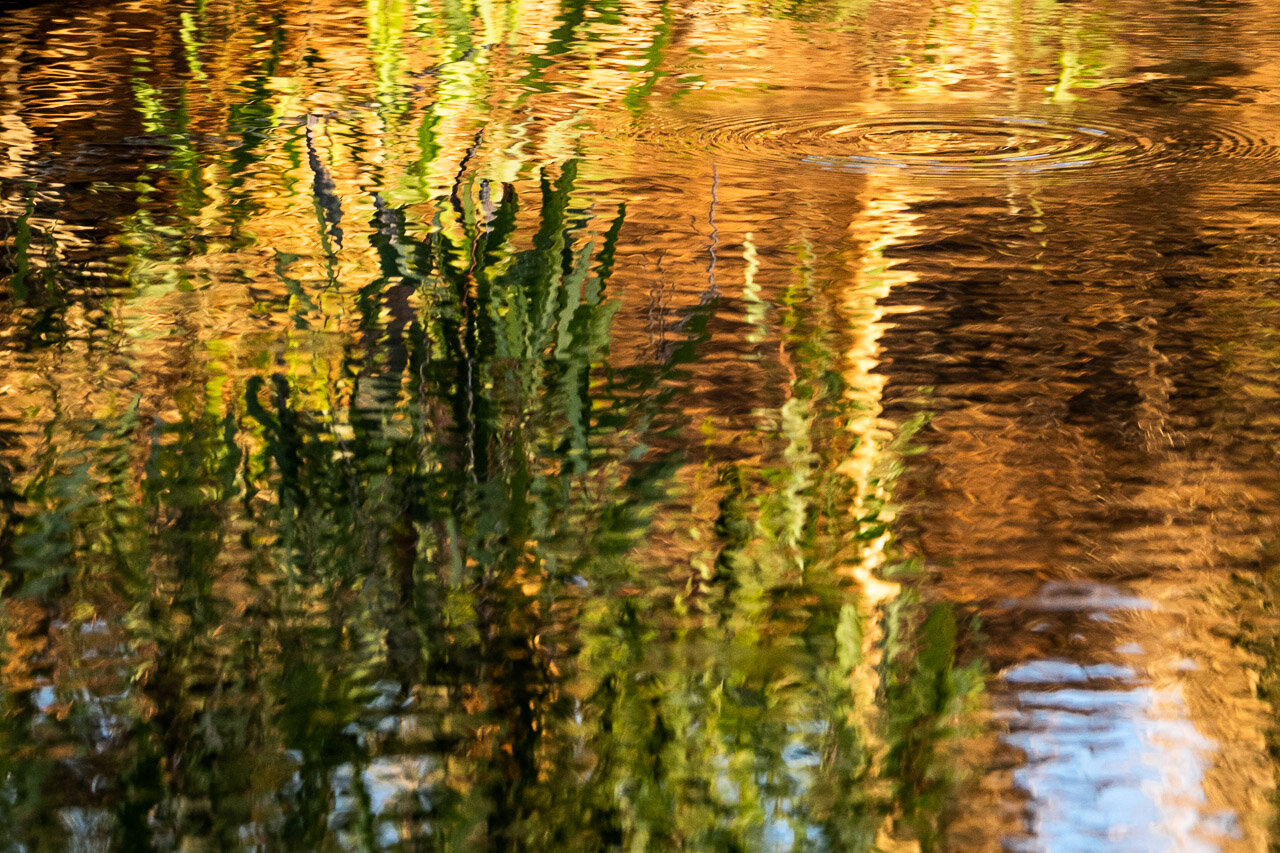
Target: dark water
point(594, 425)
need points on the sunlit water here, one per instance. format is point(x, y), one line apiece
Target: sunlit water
point(606, 425)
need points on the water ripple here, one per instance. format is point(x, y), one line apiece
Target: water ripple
point(941, 142)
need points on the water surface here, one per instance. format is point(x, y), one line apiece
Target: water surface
point(608, 425)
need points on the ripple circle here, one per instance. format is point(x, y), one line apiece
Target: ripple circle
point(938, 144)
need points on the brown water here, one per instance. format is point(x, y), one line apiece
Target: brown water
point(431, 424)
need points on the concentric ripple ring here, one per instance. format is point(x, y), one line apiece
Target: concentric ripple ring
point(942, 142)
point(997, 143)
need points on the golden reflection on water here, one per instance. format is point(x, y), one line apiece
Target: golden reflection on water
point(1041, 622)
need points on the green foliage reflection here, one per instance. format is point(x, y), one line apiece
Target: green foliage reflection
point(434, 601)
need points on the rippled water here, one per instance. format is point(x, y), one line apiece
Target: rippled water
point(521, 425)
